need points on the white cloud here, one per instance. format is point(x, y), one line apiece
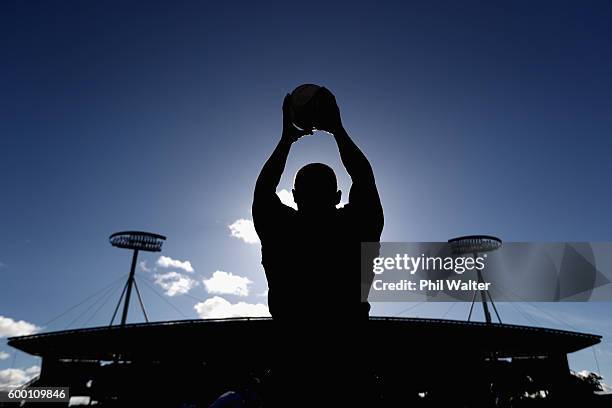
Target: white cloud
point(226, 283)
point(10, 327)
point(167, 262)
point(264, 293)
point(143, 266)
point(219, 308)
point(245, 230)
point(4, 355)
point(15, 377)
point(286, 198)
point(174, 283)
point(34, 370)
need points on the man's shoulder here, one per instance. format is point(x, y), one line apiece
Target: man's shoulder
point(272, 213)
point(348, 216)
point(272, 220)
point(368, 223)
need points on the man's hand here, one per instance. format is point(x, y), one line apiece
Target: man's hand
point(290, 132)
point(328, 119)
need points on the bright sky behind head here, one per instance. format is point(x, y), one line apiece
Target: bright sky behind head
point(477, 118)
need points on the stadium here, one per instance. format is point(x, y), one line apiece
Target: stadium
point(190, 362)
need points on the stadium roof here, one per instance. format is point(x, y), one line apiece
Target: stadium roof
point(212, 338)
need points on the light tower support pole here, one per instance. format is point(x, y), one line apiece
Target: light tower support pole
point(475, 244)
point(483, 296)
point(130, 283)
point(136, 241)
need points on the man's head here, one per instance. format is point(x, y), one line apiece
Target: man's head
point(315, 188)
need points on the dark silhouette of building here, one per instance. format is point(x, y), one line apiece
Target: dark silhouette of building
point(412, 361)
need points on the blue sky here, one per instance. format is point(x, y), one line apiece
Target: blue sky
point(477, 118)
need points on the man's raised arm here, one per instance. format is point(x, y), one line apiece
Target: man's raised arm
point(265, 188)
point(363, 194)
point(270, 175)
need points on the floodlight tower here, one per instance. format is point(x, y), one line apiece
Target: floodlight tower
point(475, 244)
point(137, 241)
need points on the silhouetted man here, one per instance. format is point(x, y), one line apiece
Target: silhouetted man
point(312, 256)
point(312, 262)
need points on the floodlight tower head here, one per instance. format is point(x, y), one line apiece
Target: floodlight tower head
point(137, 241)
point(143, 241)
point(476, 244)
